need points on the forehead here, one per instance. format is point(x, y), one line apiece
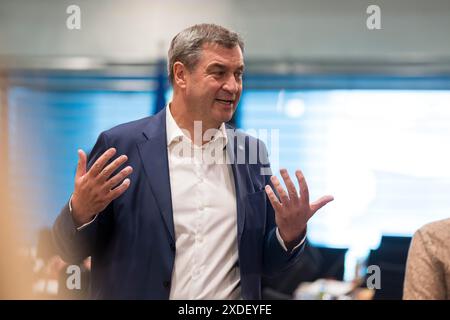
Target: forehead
point(213, 53)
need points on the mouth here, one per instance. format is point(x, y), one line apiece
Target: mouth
point(225, 102)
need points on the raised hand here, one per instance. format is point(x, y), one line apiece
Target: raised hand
point(294, 210)
point(94, 189)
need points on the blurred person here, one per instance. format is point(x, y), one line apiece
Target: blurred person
point(15, 267)
point(15, 271)
point(428, 266)
point(184, 229)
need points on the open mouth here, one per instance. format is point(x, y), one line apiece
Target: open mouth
point(225, 102)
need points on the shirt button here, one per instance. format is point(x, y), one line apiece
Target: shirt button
point(166, 284)
point(172, 246)
point(198, 272)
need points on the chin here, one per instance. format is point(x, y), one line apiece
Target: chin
point(223, 115)
point(226, 116)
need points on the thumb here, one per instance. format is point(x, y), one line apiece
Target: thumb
point(81, 167)
point(316, 205)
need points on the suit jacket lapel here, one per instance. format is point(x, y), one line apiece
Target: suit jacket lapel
point(239, 173)
point(153, 153)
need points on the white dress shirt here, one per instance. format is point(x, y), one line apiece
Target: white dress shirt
point(205, 218)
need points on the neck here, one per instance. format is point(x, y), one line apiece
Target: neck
point(187, 119)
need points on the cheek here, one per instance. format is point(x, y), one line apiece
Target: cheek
point(209, 89)
point(239, 94)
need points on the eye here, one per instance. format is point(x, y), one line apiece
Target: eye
point(239, 74)
point(219, 73)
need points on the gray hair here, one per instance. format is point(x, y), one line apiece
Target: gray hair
point(186, 46)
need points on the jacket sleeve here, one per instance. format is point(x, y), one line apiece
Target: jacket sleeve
point(75, 245)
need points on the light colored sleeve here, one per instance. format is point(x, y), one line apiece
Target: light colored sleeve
point(283, 245)
point(87, 223)
point(424, 277)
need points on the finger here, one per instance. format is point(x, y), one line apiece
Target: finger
point(273, 199)
point(109, 169)
point(304, 192)
point(119, 190)
point(81, 167)
point(283, 195)
point(114, 181)
point(292, 191)
point(101, 161)
point(316, 205)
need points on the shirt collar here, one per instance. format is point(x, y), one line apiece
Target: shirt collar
point(175, 134)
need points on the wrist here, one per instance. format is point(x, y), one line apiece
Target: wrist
point(291, 241)
point(78, 217)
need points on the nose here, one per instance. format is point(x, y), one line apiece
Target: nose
point(231, 85)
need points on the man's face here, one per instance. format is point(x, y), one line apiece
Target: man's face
point(214, 86)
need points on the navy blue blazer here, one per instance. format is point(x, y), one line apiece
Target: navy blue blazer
point(132, 242)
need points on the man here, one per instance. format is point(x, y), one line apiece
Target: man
point(427, 274)
point(186, 228)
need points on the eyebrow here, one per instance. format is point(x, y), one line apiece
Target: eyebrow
point(221, 66)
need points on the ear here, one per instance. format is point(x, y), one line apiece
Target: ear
point(179, 74)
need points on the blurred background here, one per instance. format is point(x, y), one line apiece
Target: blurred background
point(364, 113)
